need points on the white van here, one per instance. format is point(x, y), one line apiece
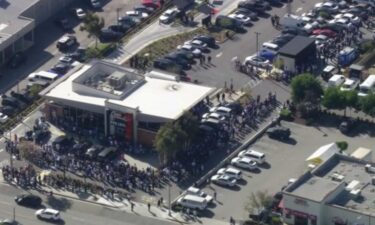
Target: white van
point(192, 202)
point(258, 157)
point(336, 80)
point(43, 75)
point(270, 47)
point(367, 86)
point(198, 192)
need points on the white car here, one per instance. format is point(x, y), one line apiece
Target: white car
point(257, 61)
point(80, 13)
point(48, 214)
point(341, 21)
point(224, 180)
point(169, 15)
point(196, 52)
point(242, 18)
point(231, 172)
point(213, 115)
point(354, 19)
point(3, 117)
point(138, 14)
point(244, 162)
point(200, 193)
point(66, 59)
point(349, 84)
point(333, 6)
point(197, 44)
point(320, 39)
point(222, 110)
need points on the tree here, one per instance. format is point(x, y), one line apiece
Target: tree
point(351, 99)
point(367, 104)
point(168, 141)
point(343, 145)
point(258, 201)
point(93, 24)
point(190, 126)
point(305, 87)
point(334, 98)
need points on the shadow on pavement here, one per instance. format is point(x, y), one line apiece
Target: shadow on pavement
point(61, 204)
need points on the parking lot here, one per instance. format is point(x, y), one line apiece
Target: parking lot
point(285, 160)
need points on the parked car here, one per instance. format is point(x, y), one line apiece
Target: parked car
point(185, 64)
point(167, 65)
point(137, 14)
point(79, 54)
point(8, 110)
point(128, 21)
point(22, 95)
point(60, 68)
point(258, 61)
point(223, 180)
point(66, 42)
point(108, 35)
point(244, 162)
point(48, 214)
point(119, 28)
point(3, 118)
point(197, 44)
point(242, 18)
point(195, 51)
point(231, 172)
point(209, 40)
point(93, 151)
point(28, 200)
point(8, 221)
point(247, 12)
point(145, 9)
point(17, 59)
point(80, 13)
point(327, 32)
point(346, 126)
point(200, 193)
point(169, 15)
point(279, 132)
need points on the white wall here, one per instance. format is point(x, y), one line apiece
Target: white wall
point(295, 203)
point(352, 217)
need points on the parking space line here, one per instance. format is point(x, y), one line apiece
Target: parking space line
point(219, 54)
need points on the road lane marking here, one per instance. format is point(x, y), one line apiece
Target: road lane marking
point(219, 54)
point(299, 9)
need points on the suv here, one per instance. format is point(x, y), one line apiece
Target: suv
point(28, 200)
point(168, 16)
point(279, 132)
point(66, 42)
point(48, 214)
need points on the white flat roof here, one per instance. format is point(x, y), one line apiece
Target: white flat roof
point(156, 97)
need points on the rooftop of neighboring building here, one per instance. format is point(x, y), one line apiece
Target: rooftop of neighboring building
point(359, 192)
point(11, 20)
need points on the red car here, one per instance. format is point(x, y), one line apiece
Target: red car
point(327, 32)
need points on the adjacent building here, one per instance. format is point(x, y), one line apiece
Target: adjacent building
point(340, 191)
point(119, 101)
point(18, 20)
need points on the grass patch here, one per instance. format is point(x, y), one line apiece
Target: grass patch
point(166, 45)
point(100, 51)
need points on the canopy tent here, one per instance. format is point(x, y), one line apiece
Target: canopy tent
point(323, 153)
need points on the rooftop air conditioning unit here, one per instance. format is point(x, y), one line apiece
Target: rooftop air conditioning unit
point(352, 185)
point(337, 177)
point(369, 168)
point(355, 193)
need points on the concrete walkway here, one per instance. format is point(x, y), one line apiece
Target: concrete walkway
point(156, 31)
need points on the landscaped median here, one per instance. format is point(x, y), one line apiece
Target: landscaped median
point(167, 45)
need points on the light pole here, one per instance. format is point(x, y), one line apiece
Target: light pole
point(169, 199)
point(257, 43)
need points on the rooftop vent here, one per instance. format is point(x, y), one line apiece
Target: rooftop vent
point(337, 177)
point(369, 168)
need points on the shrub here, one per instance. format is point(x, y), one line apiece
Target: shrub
point(343, 145)
point(286, 114)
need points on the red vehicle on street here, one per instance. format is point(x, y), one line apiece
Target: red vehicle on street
point(327, 32)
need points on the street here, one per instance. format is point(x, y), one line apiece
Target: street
point(72, 212)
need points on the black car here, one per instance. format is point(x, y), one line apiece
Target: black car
point(8, 110)
point(247, 12)
point(185, 54)
point(60, 68)
point(283, 39)
point(275, 2)
point(263, 4)
point(78, 55)
point(294, 31)
point(28, 200)
point(251, 5)
point(128, 20)
point(209, 40)
point(119, 28)
point(17, 59)
point(11, 101)
point(66, 42)
point(23, 96)
point(346, 126)
point(168, 65)
point(108, 35)
point(179, 60)
point(144, 9)
point(279, 132)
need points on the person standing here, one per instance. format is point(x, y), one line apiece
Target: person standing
point(149, 206)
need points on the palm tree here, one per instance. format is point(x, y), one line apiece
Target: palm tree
point(93, 24)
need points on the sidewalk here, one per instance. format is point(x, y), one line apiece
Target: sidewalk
point(156, 31)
